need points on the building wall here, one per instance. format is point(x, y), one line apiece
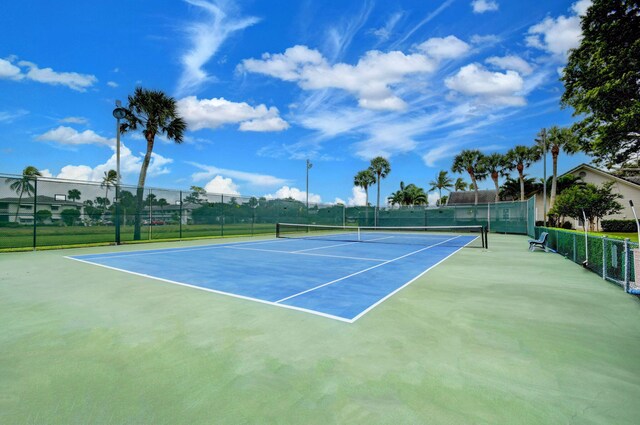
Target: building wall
point(627, 190)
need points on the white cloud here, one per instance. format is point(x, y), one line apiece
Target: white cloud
point(73, 80)
point(512, 62)
point(489, 39)
point(339, 201)
point(370, 80)
point(130, 165)
point(216, 112)
point(385, 32)
point(222, 185)
point(254, 179)
point(205, 38)
point(112, 84)
point(358, 197)
point(435, 154)
point(75, 120)
point(558, 35)
point(9, 117)
point(450, 47)
point(9, 70)
point(481, 6)
point(492, 87)
point(295, 193)
point(69, 136)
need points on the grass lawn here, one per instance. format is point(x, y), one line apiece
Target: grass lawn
point(499, 336)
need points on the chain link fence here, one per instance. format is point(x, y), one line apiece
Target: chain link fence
point(612, 259)
point(48, 212)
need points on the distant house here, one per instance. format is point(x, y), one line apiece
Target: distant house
point(628, 187)
point(23, 208)
point(469, 197)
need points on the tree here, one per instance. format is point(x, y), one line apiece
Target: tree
point(556, 139)
point(110, 179)
point(74, 195)
point(70, 216)
point(196, 196)
point(408, 195)
point(595, 201)
point(22, 185)
point(470, 160)
point(495, 166)
point(381, 168)
point(510, 189)
point(365, 179)
point(519, 158)
point(42, 216)
point(460, 185)
point(601, 81)
point(154, 113)
point(442, 181)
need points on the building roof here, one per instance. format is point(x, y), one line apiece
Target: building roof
point(469, 197)
point(41, 200)
point(632, 181)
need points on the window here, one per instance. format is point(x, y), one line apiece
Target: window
point(26, 207)
point(55, 207)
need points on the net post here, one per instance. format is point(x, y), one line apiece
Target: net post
point(35, 208)
point(626, 264)
point(277, 230)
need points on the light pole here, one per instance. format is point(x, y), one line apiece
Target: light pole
point(309, 165)
point(118, 113)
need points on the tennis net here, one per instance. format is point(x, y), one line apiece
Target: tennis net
point(461, 236)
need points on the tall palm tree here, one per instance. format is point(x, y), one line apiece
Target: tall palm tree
point(74, 195)
point(381, 168)
point(495, 166)
point(364, 179)
point(110, 179)
point(559, 139)
point(152, 112)
point(442, 181)
point(510, 189)
point(460, 185)
point(470, 160)
point(22, 185)
point(519, 158)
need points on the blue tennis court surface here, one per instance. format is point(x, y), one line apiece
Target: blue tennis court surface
point(340, 280)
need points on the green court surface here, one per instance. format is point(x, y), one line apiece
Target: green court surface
point(504, 336)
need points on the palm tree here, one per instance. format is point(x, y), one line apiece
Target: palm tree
point(22, 185)
point(364, 179)
point(510, 189)
point(460, 185)
point(73, 195)
point(153, 112)
point(495, 166)
point(415, 195)
point(442, 181)
point(397, 197)
point(110, 179)
point(559, 139)
point(470, 160)
point(381, 168)
point(519, 158)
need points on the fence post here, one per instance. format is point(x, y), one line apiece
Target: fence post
point(626, 264)
point(117, 221)
point(180, 219)
point(604, 258)
point(222, 218)
point(574, 248)
point(35, 208)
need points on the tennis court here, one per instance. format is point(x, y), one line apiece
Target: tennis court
point(333, 271)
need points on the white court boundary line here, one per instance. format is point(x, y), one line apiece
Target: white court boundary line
point(364, 270)
point(278, 303)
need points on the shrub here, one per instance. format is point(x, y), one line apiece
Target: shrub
point(624, 226)
point(567, 225)
point(539, 223)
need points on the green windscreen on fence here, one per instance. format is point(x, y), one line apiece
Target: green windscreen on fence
point(41, 212)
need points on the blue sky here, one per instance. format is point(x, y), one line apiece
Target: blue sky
point(264, 85)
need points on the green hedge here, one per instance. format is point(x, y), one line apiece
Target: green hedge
point(618, 226)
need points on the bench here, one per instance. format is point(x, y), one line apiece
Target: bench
point(541, 242)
